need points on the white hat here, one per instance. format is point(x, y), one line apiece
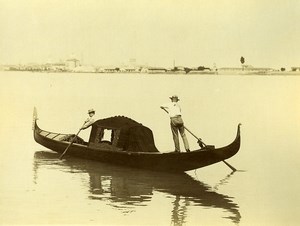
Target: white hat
point(174, 96)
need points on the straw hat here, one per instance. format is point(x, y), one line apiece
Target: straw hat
point(174, 96)
point(91, 111)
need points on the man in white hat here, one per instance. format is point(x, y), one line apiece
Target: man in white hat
point(174, 111)
point(89, 120)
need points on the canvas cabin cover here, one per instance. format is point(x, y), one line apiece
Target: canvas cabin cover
point(121, 133)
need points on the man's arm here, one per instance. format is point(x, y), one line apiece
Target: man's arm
point(164, 106)
point(87, 123)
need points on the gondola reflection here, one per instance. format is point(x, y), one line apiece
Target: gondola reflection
point(125, 188)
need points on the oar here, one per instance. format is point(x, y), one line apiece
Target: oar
point(60, 157)
point(202, 144)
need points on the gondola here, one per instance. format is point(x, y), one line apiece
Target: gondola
point(123, 141)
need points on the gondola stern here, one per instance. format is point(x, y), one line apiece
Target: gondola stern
point(234, 147)
point(239, 130)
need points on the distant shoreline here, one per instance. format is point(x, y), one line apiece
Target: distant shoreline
point(204, 73)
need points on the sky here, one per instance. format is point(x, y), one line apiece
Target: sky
point(154, 32)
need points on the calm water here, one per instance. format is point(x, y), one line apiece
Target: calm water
point(37, 188)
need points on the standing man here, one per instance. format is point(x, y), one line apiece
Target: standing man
point(89, 120)
point(174, 111)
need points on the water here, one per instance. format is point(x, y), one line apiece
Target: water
point(37, 188)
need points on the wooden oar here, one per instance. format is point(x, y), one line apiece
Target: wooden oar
point(60, 157)
point(200, 142)
point(202, 145)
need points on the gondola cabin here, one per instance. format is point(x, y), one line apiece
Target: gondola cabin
point(121, 134)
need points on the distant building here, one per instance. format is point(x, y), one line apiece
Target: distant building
point(153, 70)
point(206, 71)
point(132, 62)
point(246, 69)
point(72, 63)
point(295, 68)
point(84, 69)
point(176, 70)
point(57, 67)
point(110, 69)
point(129, 70)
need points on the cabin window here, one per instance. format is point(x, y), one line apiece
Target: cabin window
point(104, 136)
point(107, 135)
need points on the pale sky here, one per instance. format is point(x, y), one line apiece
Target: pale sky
point(156, 32)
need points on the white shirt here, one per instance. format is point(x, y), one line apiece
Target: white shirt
point(88, 122)
point(173, 109)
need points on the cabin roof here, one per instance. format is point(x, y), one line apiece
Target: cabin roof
point(128, 134)
point(117, 122)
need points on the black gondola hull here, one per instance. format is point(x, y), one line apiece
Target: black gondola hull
point(169, 162)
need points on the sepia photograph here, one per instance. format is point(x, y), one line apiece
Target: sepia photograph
point(150, 112)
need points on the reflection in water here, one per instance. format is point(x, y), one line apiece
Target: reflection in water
point(223, 181)
point(179, 210)
point(126, 188)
